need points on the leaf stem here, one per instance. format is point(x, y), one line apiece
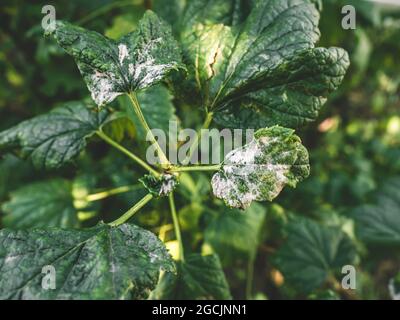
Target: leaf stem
point(195, 144)
point(128, 153)
point(111, 192)
point(215, 167)
point(129, 214)
point(250, 276)
point(176, 226)
point(104, 9)
point(136, 106)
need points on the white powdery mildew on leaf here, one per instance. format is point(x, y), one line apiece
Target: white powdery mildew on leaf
point(168, 185)
point(123, 52)
point(102, 87)
point(250, 174)
point(146, 72)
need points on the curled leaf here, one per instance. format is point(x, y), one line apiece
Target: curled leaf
point(261, 169)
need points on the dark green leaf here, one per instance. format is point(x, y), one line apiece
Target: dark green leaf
point(380, 223)
point(312, 253)
point(97, 263)
point(110, 68)
point(261, 169)
point(199, 277)
point(54, 139)
point(42, 204)
point(266, 71)
point(233, 232)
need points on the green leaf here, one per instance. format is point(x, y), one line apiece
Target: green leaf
point(312, 253)
point(233, 233)
point(160, 187)
point(265, 71)
point(97, 263)
point(380, 223)
point(41, 204)
point(14, 172)
point(55, 138)
point(110, 68)
point(199, 277)
point(261, 169)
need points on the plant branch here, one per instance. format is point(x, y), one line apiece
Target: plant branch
point(111, 192)
point(176, 226)
point(215, 167)
point(250, 275)
point(136, 106)
point(103, 10)
point(129, 214)
point(195, 144)
point(128, 153)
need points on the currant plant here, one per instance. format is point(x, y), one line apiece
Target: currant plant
point(245, 64)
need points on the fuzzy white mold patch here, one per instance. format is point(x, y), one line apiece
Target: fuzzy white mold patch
point(249, 175)
point(102, 88)
point(168, 185)
point(123, 53)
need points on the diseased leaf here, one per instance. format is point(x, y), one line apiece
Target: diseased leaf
point(198, 278)
point(261, 169)
point(160, 187)
point(233, 233)
point(380, 223)
point(55, 138)
point(265, 71)
point(97, 263)
point(110, 68)
point(41, 204)
point(312, 253)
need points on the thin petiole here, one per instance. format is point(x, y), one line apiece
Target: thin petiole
point(196, 168)
point(111, 192)
point(128, 153)
point(195, 144)
point(103, 10)
point(176, 226)
point(136, 106)
point(129, 214)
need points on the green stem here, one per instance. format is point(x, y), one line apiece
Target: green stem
point(176, 226)
point(250, 276)
point(195, 144)
point(128, 153)
point(104, 9)
point(129, 214)
point(215, 167)
point(111, 192)
point(136, 106)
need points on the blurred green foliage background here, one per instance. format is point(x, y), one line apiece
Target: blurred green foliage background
point(354, 147)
